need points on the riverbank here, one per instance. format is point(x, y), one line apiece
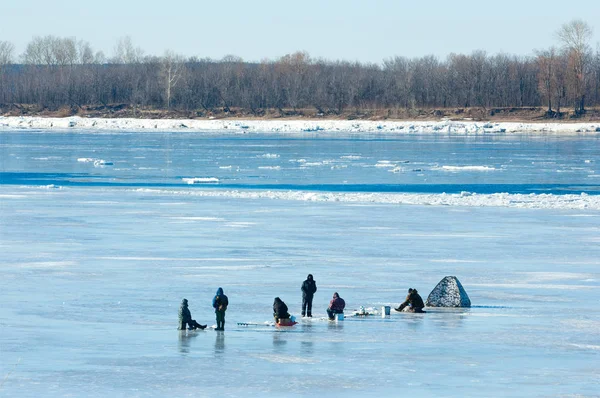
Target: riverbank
point(299, 126)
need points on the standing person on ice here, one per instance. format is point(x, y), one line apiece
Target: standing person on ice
point(220, 303)
point(280, 310)
point(185, 317)
point(309, 287)
point(413, 300)
point(336, 306)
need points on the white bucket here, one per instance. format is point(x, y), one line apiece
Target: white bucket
point(339, 317)
point(385, 311)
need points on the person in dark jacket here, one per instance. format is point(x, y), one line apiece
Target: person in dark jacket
point(309, 287)
point(414, 301)
point(220, 303)
point(336, 306)
point(280, 310)
point(185, 318)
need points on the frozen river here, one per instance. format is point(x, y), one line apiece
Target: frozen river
point(101, 236)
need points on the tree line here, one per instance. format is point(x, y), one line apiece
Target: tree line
point(55, 72)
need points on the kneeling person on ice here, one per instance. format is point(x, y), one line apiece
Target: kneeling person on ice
point(185, 317)
point(336, 306)
point(280, 310)
point(220, 303)
point(413, 300)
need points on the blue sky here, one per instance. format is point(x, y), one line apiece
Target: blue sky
point(367, 31)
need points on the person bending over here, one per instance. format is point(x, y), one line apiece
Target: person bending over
point(280, 310)
point(185, 318)
point(309, 287)
point(220, 303)
point(413, 301)
point(336, 306)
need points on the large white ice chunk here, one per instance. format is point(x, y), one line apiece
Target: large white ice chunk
point(448, 293)
point(200, 180)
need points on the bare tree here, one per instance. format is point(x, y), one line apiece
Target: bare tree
point(126, 53)
point(6, 57)
point(100, 58)
point(172, 66)
point(34, 52)
point(560, 90)
point(398, 71)
point(293, 69)
point(229, 75)
point(6, 52)
point(85, 53)
point(64, 51)
point(575, 37)
point(547, 65)
point(461, 80)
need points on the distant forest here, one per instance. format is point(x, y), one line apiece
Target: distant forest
point(62, 73)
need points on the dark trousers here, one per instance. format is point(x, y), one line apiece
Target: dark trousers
point(220, 319)
point(331, 313)
point(418, 310)
point(307, 305)
point(192, 325)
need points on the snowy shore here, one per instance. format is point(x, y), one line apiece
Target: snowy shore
point(298, 126)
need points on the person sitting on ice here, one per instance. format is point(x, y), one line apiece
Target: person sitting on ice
point(220, 303)
point(413, 301)
point(336, 306)
point(280, 310)
point(185, 318)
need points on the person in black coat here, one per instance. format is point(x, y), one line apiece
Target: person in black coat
point(413, 300)
point(280, 310)
point(309, 287)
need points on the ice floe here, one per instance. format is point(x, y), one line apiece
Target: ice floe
point(102, 163)
point(200, 180)
point(464, 199)
point(269, 156)
point(466, 168)
point(95, 161)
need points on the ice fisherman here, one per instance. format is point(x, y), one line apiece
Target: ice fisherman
point(280, 310)
point(336, 306)
point(413, 301)
point(185, 318)
point(220, 303)
point(309, 287)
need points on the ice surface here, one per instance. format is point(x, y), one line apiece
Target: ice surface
point(91, 275)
